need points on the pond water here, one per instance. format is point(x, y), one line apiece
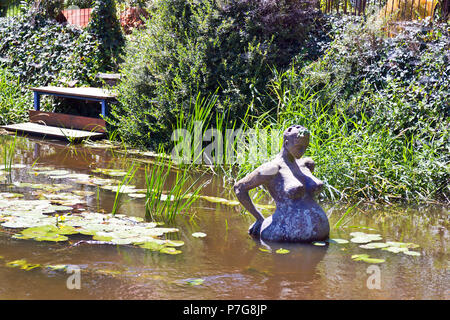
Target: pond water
point(226, 263)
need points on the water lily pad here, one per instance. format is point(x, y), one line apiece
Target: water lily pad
point(136, 195)
point(282, 251)
point(220, 200)
point(374, 245)
point(54, 172)
point(83, 193)
point(199, 235)
point(22, 264)
point(151, 245)
point(366, 258)
point(122, 189)
point(174, 243)
point(195, 282)
point(264, 250)
point(13, 166)
point(408, 245)
point(8, 195)
point(412, 253)
point(45, 233)
point(360, 240)
point(57, 267)
point(339, 241)
point(170, 250)
point(319, 243)
point(395, 249)
point(110, 172)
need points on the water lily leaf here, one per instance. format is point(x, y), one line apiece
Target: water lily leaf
point(52, 237)
point(122, 189)
point(16, 263)
point(264, 250)
point(136, 195)
point(374, 245)
point(42, 168)
point(57, 267)
point(199, 235)
point(8, 195)
point(83, 193)
point(412, 253)
point(220, 200)
point(360, 240)
point(174, 243)
point(101, 237)
point(54, 172)
point(151, 245)
point(110, 172)
point(319, 243)
point(195, 282)
point(282, 251)
point(408, 245)
point(395, 249)
point(13, 166)
point(170, 250)
point(339, 241)
point(60, 208)
point(67, 230)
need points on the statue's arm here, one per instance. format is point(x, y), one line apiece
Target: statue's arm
point(260, 176)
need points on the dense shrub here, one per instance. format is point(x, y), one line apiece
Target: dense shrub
point(202, 46)
point(105, 27)
point(400, 82)
point(41, 51)
point(378, 109)
point(14, 100)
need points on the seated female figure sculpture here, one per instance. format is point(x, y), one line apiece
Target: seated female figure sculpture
point(289, 180)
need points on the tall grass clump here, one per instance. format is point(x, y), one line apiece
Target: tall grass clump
point(169, 193)
point(9, 152)
point(14, 102)
point(120, 188)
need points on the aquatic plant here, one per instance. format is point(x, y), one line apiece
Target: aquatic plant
point(8, 155)
point(179, 196)
point(122, 185)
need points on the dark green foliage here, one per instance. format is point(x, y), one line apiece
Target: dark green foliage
point(41, 51)
point(105, 26)
point(400, 83)
point(82, 4)
point(202, 46)
point(14, 99)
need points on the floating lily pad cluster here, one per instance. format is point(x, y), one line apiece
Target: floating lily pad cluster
point(35, 219)
point(366, 241)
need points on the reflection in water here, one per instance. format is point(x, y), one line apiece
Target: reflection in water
point(228, 260)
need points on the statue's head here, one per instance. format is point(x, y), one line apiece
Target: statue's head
point(296, 140)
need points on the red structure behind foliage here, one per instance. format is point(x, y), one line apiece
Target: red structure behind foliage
point(78, 17)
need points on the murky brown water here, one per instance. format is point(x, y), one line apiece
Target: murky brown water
point(227, 259)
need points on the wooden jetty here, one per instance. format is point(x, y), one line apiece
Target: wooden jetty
point(65, 126)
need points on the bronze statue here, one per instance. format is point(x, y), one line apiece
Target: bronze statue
point(289, 180)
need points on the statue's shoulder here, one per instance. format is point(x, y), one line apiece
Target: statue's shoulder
point(270, 168)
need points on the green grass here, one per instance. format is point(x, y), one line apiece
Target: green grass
point(125, 182)
point(168, 195)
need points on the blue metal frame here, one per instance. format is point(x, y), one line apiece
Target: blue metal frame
point(37, 100)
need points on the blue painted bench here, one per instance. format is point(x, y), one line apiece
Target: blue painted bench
point(91, 94)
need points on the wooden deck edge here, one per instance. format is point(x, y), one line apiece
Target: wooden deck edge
point(68, 121)
point(29, 128)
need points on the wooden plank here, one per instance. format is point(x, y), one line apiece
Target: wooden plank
point(96, 93)
point(68, 121)
point(60, 133)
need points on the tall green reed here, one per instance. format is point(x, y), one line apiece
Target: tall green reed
point(168, 195)
point(120, 188)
